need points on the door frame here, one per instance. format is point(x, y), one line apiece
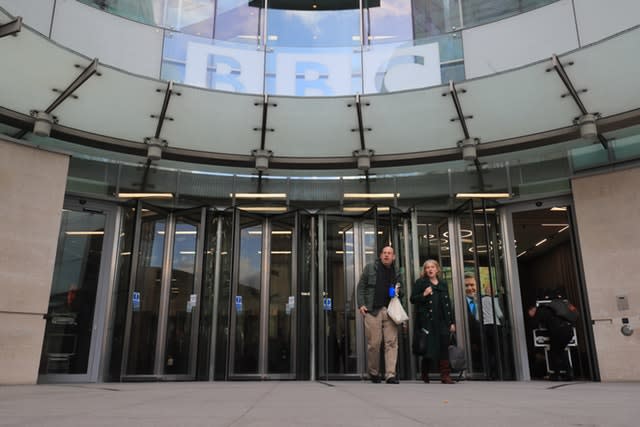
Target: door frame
point(99, 344)
point(266, 221)
point(161, 333)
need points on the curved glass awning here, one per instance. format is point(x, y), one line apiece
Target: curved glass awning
point(115, 110)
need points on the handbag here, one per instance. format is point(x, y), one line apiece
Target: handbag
point(457, 358)
point(396, 312)
point(421, 342)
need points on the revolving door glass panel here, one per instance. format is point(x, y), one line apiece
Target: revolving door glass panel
point(339, 308)
point(246, 345)
point(487, 319)
point(183, 296)
point(146, 295)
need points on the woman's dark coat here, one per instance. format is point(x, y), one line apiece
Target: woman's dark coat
point(433, 313)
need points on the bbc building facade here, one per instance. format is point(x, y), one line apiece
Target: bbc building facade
point(190, 190)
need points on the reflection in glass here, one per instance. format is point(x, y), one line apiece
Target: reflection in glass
point(433, 17)
point(389, 21)
point(247, 301)
point(341, 319)
point(282, 300)
point(147, 291)
point(67, 339)
point(182, 296)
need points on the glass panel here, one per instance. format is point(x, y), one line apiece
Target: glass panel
point(147, 291)
point(311, 52)
point(122, 292)
point(67, 339)
point(411, 65)
point(626, 148)
point(389, 21)
point(238, 21)
point(214, 64)
point(189, 16)
point(341, 341)
point(476, 12)
point(486, 295)
point(282, 300)
point(317, 71)
point(140, 10)
point(247, 301)
point(589, 156)
point(433, 17)
point(182, 295)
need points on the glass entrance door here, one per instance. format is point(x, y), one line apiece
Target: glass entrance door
point(163, 305)
point(487, 318)
point(347, 244)
point(264, 297)
point(76, 314)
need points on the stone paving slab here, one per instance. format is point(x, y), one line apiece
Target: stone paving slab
point(337, 403)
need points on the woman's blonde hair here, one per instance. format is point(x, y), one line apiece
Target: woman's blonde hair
point(430, 261)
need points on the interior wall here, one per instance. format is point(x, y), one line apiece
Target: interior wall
point(607, 209)
point(32, 187)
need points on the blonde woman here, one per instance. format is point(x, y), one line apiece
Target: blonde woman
point(430, 295)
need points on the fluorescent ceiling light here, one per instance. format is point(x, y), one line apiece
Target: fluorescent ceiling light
point(370, 195)
point(125, 253)
point(563, 229)
point(84, 233)
point(280, 252)
point(187, 252)
point(263, 208)
point(483, 196)
point(363, 209)
point(486, 210)
point(521, 253)
point(258, 195)
point(541, 242)
point(145, 195)
point(558, 209)
point(554, 225)
point(273, 232)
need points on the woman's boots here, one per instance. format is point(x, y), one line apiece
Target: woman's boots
point(425, 370)
point(445, 372)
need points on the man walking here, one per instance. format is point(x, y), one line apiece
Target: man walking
point(378, 283)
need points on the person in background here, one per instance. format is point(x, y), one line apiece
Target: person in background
point(430, 295)
point(378, 283)
point(473, 319)
point(492, 321)
point(557, 317)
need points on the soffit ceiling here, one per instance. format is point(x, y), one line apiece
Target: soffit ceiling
point(508, 111)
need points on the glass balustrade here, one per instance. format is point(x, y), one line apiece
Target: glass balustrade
point(265, 46)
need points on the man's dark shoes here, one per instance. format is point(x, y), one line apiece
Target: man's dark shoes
point(392, 380)
point(375, 379)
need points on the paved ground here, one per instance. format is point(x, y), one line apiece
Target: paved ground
point(340, 403)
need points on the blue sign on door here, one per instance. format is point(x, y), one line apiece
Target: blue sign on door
point(239, 304)
point(135, 300)
point(326, 304)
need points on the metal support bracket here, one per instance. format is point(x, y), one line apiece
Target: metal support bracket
point(11, 28)
point(163, 112)
point(263, 129)
point(575, 94)
point(456, 103)
point(86, 74)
